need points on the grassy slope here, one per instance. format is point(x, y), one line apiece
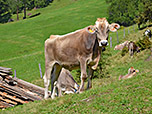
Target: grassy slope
point(108, 94)
point(22, 43)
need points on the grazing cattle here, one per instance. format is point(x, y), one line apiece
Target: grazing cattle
point(65, 83)
point(78, 49)
point(132, 47)
point(148, 33)
point(121, 46)
point(131, 72)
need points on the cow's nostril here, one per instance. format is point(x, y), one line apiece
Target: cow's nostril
point(104, 43)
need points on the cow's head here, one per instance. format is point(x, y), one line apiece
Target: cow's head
point(102, 30)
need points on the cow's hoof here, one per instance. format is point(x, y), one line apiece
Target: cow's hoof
point(53, 96)
point(89, 87)
point(46, 97)
point(94, 67)
point(80, 91)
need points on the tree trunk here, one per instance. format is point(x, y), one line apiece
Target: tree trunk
point(24, 11)
point(17, 13)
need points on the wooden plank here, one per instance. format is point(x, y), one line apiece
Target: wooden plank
point(11, 92)
point(5, 105)
point(25, 85)
point(22, 93)
point(13, 98)
point(3, 74)
point(6, 72)
point(9, 80)
point(8, 101)
point(30, 86)
point(4, 68)
point(21, 83)
point(1, 78)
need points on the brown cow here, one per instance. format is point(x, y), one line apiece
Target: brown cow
point(65, 83)
point(131, 72)
point(132, 47)
point(76, 50)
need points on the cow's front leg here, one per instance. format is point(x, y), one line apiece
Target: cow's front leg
point(96, 61)
point(83, 75)
point(90, 75)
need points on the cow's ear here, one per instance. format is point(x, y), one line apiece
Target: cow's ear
point(132, 67)
point(113, 27)
point(91, 30)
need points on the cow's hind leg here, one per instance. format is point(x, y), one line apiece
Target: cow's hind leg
point(54, 77)
point(46, 78)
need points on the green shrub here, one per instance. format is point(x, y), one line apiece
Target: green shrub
point(144, 43)
point(124, 51)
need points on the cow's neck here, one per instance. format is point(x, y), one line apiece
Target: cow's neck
point(94, 61)
point(95, 49)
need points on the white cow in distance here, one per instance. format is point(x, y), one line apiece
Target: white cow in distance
point(121, 46)
point(131, 72)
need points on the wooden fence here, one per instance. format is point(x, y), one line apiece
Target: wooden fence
point(124, 34)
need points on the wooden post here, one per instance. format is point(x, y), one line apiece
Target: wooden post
point(124, 33)
point(110, 42)
point(40, 70)
point(134, 27)
point(117, 38)
point(128, 31)
point(15, 73)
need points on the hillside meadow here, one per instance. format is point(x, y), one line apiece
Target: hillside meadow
point(22, 48)
point(22, 42)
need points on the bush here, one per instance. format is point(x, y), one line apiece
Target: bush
point(5, 13)
point(124, 51)
point(144, 43)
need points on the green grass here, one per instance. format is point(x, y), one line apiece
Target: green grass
point(26, 37)
point(22, 48)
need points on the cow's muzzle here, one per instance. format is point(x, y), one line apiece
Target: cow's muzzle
point(103, 43)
